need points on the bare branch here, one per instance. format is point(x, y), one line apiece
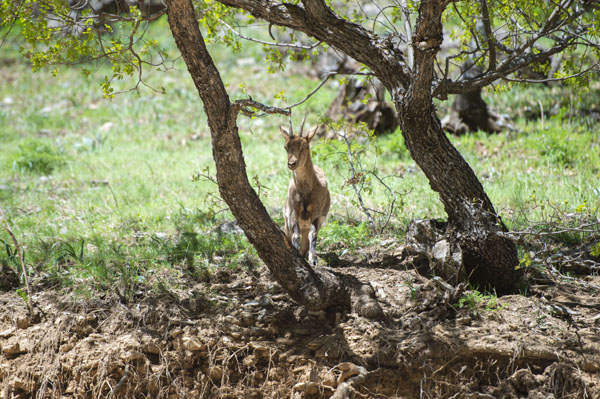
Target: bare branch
point(115, 17)
point(355, 178)
point(547, 80)
point(444, 87)
point(275, 44)
point(408, 29)
point(250, 103)
point(382, 12)
point(244, 105)
point(309, 95)
point(563, 28)
point(390, 208)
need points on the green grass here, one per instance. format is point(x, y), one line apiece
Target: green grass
point(100, 191)
point(37, 156)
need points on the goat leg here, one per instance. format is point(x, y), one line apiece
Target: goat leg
point(296, 236)
point(312, 239)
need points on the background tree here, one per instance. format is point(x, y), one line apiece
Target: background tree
point(400, 44)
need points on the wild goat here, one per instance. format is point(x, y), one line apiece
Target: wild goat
point(308, 199)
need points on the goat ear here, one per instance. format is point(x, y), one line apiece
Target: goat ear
point(311, 133)
point(286, 135)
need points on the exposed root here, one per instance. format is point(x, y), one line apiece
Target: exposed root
point(363, 298)
point(352, 376)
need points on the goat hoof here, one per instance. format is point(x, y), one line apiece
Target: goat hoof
point(312, 260)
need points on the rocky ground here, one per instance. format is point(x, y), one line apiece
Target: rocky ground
point(239, 336)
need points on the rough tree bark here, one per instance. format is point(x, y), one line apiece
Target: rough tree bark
point(316, 289)
point(488, 258)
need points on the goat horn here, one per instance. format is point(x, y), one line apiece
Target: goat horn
point(291, 131)
point(302, 126)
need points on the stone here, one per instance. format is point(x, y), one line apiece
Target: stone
point(309, 388)
point(215, 373)
point(12, 349)
point(348, 370)
point(193, 344)
point(440, 250)
point(23, 322)
point(131, 356)
point(8, 333)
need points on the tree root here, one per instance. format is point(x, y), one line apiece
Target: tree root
point(352, 376)
point(363, 298)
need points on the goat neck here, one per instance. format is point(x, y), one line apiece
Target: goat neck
point(304, 176)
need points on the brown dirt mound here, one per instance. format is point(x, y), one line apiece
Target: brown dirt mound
point(241, 337)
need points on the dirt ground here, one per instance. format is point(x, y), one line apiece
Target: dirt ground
point(239, 336)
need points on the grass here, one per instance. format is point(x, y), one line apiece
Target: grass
point(100, 191)
point(37, 156)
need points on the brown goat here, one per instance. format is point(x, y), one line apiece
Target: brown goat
point(308, 198)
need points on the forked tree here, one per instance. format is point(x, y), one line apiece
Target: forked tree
point(398, 42)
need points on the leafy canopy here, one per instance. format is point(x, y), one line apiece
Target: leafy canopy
point(501, 36)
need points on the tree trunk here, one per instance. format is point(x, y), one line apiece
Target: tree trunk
point(488, 258)
point(363, 102)
point(316, 289)
point(469, 112)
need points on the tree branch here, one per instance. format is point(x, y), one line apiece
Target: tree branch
point(275, 44)
point(563, 28)
point(356, 177)
point(12, 23)
point(244, 104)
point(316, 19)
point(427, 39)
point(444, 87)
point(547, 80)
point(489, 35)
point(408, 29)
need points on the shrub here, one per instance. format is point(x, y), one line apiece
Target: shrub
point(38, 157)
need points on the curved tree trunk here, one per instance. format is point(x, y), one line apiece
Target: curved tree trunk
point(488, 258)
point(316, 289)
